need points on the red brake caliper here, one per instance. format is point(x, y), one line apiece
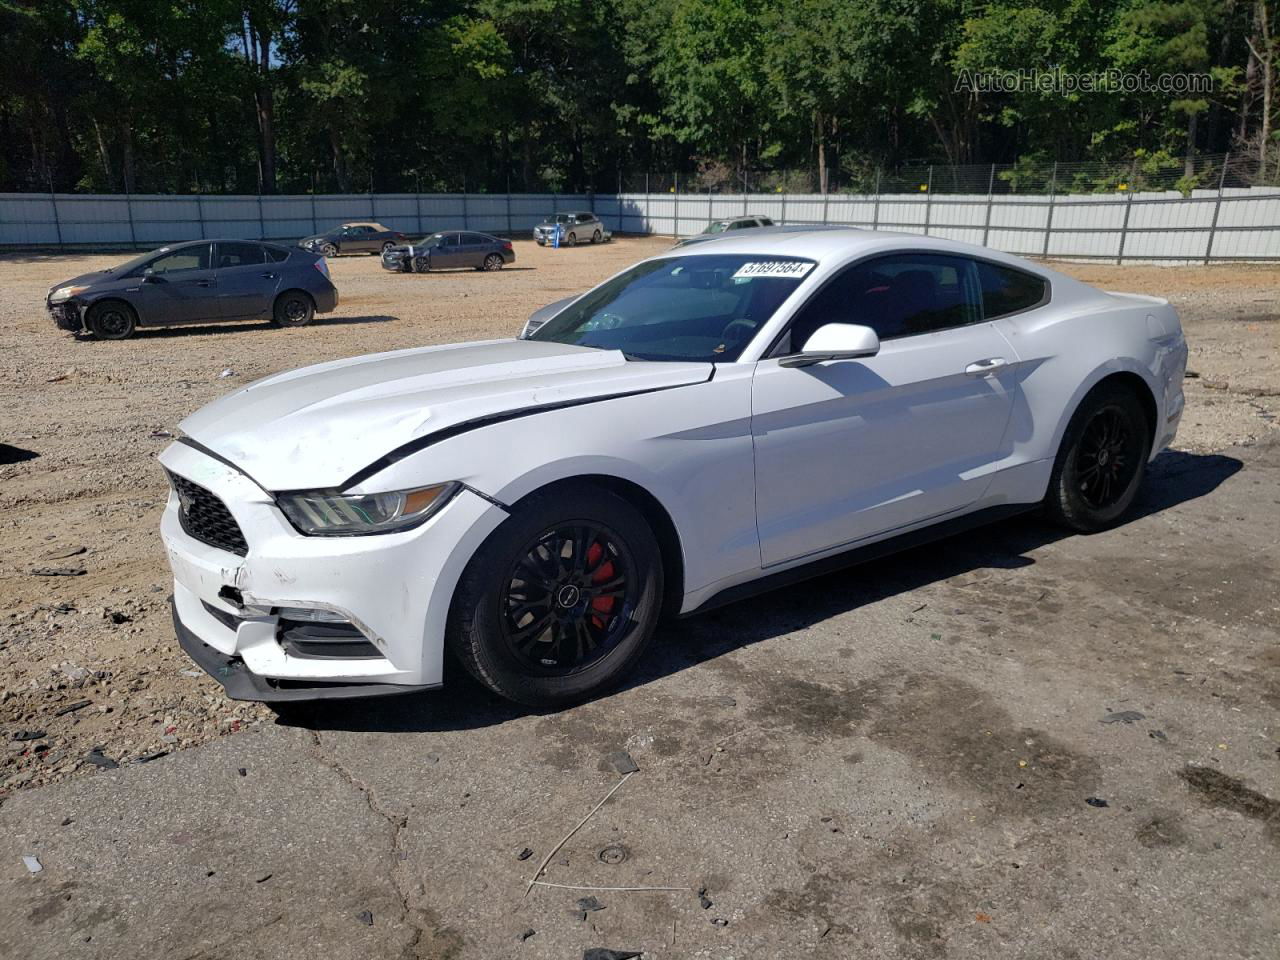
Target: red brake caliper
point(601, 607)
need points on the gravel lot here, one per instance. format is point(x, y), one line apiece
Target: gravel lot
point(889, 765)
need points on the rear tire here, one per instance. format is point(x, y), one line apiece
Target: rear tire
point(493, 262)
point(111, 320)
point(536, 626)
point(1101, 462)
point(293, 309)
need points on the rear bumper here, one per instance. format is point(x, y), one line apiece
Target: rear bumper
point(326, 299)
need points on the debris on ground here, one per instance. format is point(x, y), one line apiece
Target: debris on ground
point(365, 917)
point(620, 761)
point(226, 373)
point(524, 854)
point(100, 759)
point(1158, 735)
point(72, 708)
point(703, 900)
point(589, 904)
point(600, 953)
point(57, 571)
point(1096, 802)
point(148, 757)
point(33, 864)
point(1124, 716)
point(613, 854)
point(525, 934)
point(64, 553)
point(22, 736)
point(720, 921)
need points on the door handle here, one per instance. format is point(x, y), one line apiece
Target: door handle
point(203, 283)
point(268, 276)
point(985, 368)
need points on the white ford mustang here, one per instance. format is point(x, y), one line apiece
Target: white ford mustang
point(710, 421)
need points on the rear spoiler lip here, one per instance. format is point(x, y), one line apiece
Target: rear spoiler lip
point(1161, 301)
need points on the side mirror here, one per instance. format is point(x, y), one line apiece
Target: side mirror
point(835, 341)
point(150, 276)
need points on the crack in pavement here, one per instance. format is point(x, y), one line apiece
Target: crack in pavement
point(397, 824)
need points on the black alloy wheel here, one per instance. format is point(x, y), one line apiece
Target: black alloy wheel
point(1101, 462)
point(562, 599)
point(567, 598)
point(112, 320)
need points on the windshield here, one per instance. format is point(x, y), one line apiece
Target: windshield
point(681, 308)
point(720, 226)
point(136, 262)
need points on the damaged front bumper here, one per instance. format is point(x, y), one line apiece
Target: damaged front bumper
point(380, 602)
point(66, 315)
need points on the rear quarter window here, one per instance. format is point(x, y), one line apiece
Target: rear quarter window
point(276, 254)
point(1006, 290)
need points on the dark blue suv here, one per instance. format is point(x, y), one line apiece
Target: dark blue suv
point(205, 281)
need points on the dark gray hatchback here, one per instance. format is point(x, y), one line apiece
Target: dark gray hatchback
point(205, 281)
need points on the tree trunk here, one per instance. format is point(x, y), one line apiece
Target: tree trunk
point(821, 132)
point(103, 153)
point(1189, 160)
point(126, 161)
point(339, 160)
point(265, 101)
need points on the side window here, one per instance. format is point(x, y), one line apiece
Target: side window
point(765, 221)
point(239, 255)
point(585, 217)
point(736, 225)
point(276, 254)
point(191, 258)
point(1006, 290)
point(902, 295)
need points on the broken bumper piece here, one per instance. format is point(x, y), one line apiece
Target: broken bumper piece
point(241, 683)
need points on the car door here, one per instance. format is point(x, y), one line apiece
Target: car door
point(247, 281)
point(178, 286)
point(849, 449)
point(473, 248)
point(448, 253)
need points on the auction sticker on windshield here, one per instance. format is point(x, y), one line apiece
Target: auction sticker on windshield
point(792, 269)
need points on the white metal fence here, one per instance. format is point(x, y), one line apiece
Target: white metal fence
point(1230, 224)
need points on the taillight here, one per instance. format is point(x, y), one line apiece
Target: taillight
point(506, 244)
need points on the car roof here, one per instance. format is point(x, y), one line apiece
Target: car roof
point(364, 223)
point(822, 243)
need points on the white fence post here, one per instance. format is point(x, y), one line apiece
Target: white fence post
point(875, 216)
point(928, 201)
point(1124, 226)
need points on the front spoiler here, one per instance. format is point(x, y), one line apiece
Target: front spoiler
point(240, 683)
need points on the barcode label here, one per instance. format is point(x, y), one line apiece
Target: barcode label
point(774, 268)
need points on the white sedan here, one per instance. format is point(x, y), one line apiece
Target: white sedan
point(706, 423)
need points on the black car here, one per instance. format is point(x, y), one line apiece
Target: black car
point(363, 237)
point(205, 281)
point(442, 251)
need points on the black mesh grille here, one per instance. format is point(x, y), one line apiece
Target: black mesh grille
point(206, 518)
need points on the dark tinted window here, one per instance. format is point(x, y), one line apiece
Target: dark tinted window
point(766, 222)
point(239, 255)
point(1006, 290)
point(585, 217)
point(474, 238)
point(897, 296)
point(277, 254)
point(188, 258)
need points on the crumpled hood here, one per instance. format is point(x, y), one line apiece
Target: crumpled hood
point(317, 426)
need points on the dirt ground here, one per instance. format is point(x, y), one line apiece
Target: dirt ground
point(90, 660)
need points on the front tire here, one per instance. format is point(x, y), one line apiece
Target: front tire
point(329, 250)
point(112, 320)
point(421, 265)
point(561, 600)
point(293, 309)
point(1102, 460)
point(595, 237)
point(571, 240)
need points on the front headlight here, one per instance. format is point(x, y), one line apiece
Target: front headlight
point(323, 513)
point(65, 293)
